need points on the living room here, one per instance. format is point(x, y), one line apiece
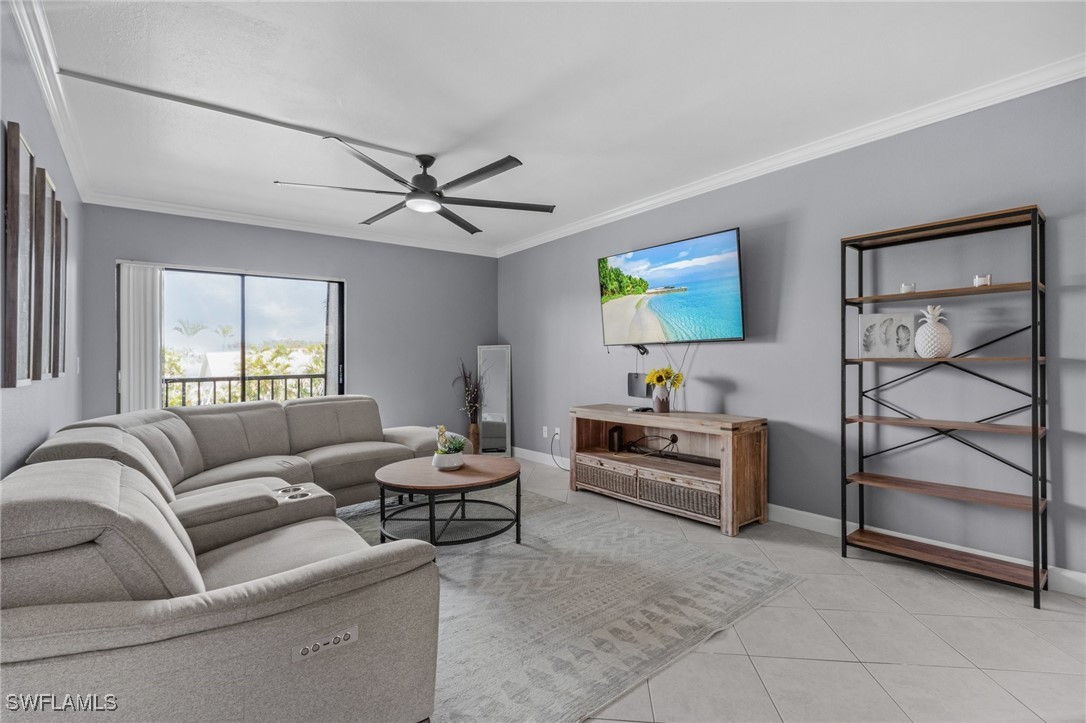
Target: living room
point(162, 130)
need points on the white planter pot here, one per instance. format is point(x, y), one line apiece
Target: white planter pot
point(448, 462)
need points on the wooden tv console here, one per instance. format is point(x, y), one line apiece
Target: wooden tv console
point(722, 478)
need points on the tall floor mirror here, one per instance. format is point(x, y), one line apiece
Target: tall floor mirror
point(495, 415)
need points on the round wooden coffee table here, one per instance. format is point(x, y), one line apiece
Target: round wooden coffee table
point(418, 477)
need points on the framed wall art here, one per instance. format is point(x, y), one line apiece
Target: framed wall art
point(18, 311)
point(60, 288)
point(42, 334)
point(887, 336)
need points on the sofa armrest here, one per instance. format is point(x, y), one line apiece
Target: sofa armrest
point(262, 504)
point(223, 503)
point(47, 631)
point(422, 441)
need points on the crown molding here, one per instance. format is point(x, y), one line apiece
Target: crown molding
point(33, 26)
point(1016, 86)
point(214, 214)
point(38, 40)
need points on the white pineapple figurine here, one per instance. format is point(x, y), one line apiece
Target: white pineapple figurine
point(933, 339)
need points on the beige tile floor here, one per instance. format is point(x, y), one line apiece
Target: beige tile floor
point(870, 638)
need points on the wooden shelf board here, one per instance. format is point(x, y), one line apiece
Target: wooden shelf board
point(706, 473)
point(1009, 572)
point(700, 422)
point(946, 491)
point(941, 360)
point(1017, 429)
point(979, 223)
point(1017, 286)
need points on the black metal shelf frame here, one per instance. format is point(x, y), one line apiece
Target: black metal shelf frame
point(1037, 395)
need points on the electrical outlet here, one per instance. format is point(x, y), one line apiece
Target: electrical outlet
point(557, 433)
point(545, 435)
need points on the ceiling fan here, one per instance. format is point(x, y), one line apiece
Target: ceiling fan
point(425, 195)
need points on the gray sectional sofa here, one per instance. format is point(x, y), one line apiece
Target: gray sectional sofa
point(189, 563)
point(335, 442)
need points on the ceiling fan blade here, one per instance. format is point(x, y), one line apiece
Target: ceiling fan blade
point(511, 205)
point(337, 188)
point(372, 163)
point(506, 164)
point(446, 213)
point(386, 212)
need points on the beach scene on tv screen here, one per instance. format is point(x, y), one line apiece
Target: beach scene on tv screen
point(683, 291)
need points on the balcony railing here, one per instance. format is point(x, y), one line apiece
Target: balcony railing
point(193, 391)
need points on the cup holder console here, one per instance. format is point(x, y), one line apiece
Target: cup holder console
point(288, 490)
point(298, 496)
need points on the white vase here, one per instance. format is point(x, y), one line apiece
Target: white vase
point(933, 338)
point(448, 462)
point(661, 400)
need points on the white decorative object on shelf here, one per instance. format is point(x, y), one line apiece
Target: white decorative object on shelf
point(908, 287)
point(933, 339)
point(982, 280)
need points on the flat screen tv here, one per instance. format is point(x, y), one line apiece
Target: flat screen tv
point(683, 291)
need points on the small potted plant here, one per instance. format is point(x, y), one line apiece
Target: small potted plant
point(450, 451)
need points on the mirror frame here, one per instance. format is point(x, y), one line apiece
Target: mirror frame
point(508, 396)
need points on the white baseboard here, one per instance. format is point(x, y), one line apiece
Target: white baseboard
point(540, 457)
point(1072, 582)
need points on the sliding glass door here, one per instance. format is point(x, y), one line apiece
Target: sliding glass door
point(239, 337)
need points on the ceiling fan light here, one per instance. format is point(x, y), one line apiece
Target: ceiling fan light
point(422, 202)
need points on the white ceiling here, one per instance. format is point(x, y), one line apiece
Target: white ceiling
point(612, 107)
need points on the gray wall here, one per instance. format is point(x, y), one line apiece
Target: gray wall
point(28, 414)
point(409, 313)
point(1029, 150)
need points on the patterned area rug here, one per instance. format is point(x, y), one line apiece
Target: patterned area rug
point(584, 610)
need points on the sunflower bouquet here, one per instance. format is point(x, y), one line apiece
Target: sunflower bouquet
point(665, 378)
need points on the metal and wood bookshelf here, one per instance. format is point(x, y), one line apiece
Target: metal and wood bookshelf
point(861, 396)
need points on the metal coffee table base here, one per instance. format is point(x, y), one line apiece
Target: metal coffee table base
point(457, 518)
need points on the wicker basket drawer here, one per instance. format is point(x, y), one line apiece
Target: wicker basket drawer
point(618, 479)
point(699, 502)
point(707, 484)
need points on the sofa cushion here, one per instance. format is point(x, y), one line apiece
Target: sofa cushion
point(324, 421)
point(277, 551)
point(344, 465)
point(422, 441)
point(123, 421)
point(76, 574)
point(292, 470)
point(231, 432)
point(173, 445)
point(168, 439)
point(104, 443)
point(48, 508)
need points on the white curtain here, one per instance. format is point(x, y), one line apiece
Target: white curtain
point(331, 343)
point(140, 334)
